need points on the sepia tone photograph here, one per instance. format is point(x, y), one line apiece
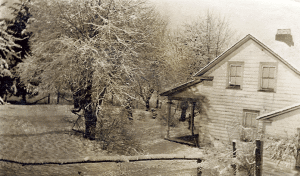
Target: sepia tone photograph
point(149, 87)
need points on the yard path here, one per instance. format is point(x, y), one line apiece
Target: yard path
point(43, 132)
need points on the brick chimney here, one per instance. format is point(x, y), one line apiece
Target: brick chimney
point(284, 35)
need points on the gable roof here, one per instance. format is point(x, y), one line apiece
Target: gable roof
point(291, 54)
point(279, 112)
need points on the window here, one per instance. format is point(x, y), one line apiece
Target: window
point(249, 125)
point(268, 77)
point(250, 118)
point(235, 75)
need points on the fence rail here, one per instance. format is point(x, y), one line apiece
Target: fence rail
point(116, 159)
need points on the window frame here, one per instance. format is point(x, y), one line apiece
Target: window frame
point(237, 63)
point(261, 78)
point(243, 136)
point(245, 111)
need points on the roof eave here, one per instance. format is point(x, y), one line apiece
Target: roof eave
point(278, 112)
point(184, 86)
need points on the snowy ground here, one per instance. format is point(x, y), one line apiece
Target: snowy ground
point(43, 132)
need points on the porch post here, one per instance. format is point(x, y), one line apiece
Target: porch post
point(192, 117)
point(169, 116)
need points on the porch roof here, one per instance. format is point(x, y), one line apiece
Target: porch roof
point(183, 87)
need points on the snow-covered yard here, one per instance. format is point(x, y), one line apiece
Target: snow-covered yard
point(43, 133)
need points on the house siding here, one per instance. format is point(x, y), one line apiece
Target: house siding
point(227, 105)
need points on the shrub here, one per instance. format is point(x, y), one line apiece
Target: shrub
point(115, 133)
point(282, 148)
point(218, 159)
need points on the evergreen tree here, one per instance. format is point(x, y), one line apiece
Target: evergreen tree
point(17, 28)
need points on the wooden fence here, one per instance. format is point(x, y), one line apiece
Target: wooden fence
point(114, 159)
point(53, 99)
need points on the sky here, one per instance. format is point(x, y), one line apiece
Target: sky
point(261, 18)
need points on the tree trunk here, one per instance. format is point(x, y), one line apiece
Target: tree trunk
point(90, 121)
point(49, 99)
point(76, 100)
point(89, 104)
point(5, 97)
point(147, 104)
point(24, 98)
point(58, 94)
point(90, 113)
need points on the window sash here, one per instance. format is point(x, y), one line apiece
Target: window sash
point(250, 119)
point(268, 78)
point(235, 75)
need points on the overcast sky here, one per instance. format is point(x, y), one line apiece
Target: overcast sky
point(260, 18)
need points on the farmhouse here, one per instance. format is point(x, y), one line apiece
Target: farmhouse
point(247, 81)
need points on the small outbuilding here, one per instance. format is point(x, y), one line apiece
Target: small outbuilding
point(281, 123)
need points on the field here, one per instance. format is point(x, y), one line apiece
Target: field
point(44, 133)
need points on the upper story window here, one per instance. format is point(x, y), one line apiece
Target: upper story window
point(268, 76)
point(235, 75)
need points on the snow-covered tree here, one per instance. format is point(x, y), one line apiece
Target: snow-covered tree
point(207, 37)
point(7, 46)
point(90, 47)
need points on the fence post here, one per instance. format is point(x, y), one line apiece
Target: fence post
point(49, 99)
point(199, 172)
point(297, 165)
point(258, 158)
point(234, 156)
